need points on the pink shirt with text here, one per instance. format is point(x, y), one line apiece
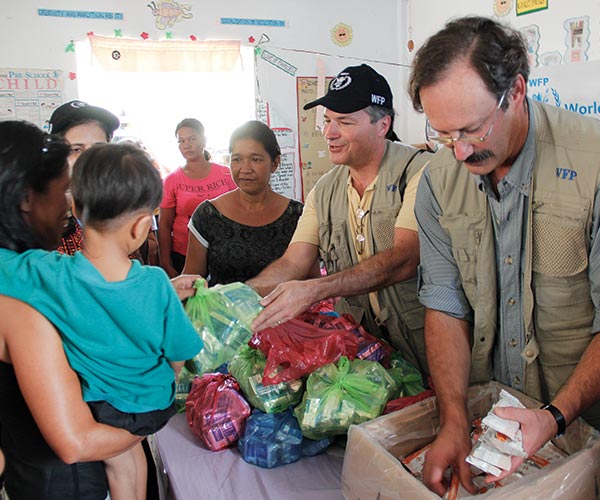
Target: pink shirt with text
point(185, 194)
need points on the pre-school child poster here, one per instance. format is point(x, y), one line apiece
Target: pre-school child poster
point(30, 94)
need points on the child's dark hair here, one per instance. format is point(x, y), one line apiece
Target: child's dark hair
point(112, 180)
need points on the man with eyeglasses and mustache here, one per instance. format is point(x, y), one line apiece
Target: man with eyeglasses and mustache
point(358, 220)
point(508, 216)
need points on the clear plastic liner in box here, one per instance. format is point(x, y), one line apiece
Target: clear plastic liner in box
point(271, 440)
point(372, 467)
point(222, 316)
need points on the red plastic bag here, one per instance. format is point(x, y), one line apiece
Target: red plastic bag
point(370, 347)
point(216, 411)
point(399, 403)
point(295, 349)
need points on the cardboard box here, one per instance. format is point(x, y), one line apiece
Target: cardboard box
point(372, 469)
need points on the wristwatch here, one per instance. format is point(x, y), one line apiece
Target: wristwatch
point(558, 417)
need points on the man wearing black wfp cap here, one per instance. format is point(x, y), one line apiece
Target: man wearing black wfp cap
point(358, 220)
point(82, 126)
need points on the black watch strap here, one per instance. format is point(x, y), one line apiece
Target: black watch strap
point(559, 417)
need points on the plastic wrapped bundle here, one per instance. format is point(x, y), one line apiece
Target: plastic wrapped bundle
point(338, 396)
point(243, 299)
point(271, 440)
point(183, 385)
point(409, 381)
point(247, 367)
point(369, 346)
point(221, 318)
point(216, 411)
point(296, 348)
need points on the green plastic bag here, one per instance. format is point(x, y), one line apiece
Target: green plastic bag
point(409, 381)
point(338, 396)
point(248, 367)
point(222, 317)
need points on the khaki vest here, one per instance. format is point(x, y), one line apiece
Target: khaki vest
point(401, 313)
point(557, 308)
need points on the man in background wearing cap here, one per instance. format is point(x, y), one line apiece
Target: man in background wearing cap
point(359, 220)
point(82, 126)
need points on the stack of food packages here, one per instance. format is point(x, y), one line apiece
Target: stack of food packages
point(495, 441)
point(285, 392)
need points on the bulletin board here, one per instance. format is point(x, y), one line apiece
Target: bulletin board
point(314, 158)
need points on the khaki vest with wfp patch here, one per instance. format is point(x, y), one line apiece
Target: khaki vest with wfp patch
point(557, 307)
point(401, 313)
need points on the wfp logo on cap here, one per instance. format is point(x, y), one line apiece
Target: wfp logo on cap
point(340, 82)
point(379, 100)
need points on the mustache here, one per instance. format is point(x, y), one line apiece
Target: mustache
point(479, 156)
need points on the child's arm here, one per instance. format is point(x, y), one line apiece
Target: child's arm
point(177, 366)
point(52, 389)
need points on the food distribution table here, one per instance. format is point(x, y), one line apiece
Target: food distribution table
point(189, 471)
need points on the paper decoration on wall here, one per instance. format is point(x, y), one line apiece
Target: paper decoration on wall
point(551, 58)
point(144, 35)
point(70, 47)
point(72, 75)
point(532, 36)
point(34, 94)
point(277, 23)
point(529, 6)
point(193, 38)
point(118, 32)
point(277, 61)
point(341, 34)
point(503, 7)
point(262, 111)
point(577, 39)
point(168, 35)
point(169, 12)
point(81, 14)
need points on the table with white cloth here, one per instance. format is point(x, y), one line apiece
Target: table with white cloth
point(189, 471)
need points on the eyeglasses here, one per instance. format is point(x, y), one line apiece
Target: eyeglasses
point(360, 222)
point(446, 140)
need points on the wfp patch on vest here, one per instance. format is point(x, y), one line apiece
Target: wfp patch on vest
point(566, 174)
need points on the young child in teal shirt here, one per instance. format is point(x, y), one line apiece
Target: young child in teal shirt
point(123, 327)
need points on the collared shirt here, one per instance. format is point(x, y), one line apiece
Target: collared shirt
point(440, 285)
point(509, 216)
point(307, 230)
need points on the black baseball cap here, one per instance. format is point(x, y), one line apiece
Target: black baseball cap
point(73, 112)
point(355, 88)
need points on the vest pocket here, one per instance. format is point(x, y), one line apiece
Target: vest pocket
point(333, 246)
point(559, 241)
point(465, 231)
point(563, 316)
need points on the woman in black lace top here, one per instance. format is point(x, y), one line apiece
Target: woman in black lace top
point(233, 237)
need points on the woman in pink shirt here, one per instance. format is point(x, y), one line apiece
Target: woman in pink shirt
point(198, 180)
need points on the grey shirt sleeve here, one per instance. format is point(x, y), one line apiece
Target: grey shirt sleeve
point(440, 285)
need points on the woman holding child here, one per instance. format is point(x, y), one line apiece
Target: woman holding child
point(51, 441)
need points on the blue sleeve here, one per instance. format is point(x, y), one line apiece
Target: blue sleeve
point(440, 285)
point(594, 265)
point(181, 340)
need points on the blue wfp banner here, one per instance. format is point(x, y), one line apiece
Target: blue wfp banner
point(569, 86)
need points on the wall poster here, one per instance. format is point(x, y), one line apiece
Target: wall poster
point(30, 94)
